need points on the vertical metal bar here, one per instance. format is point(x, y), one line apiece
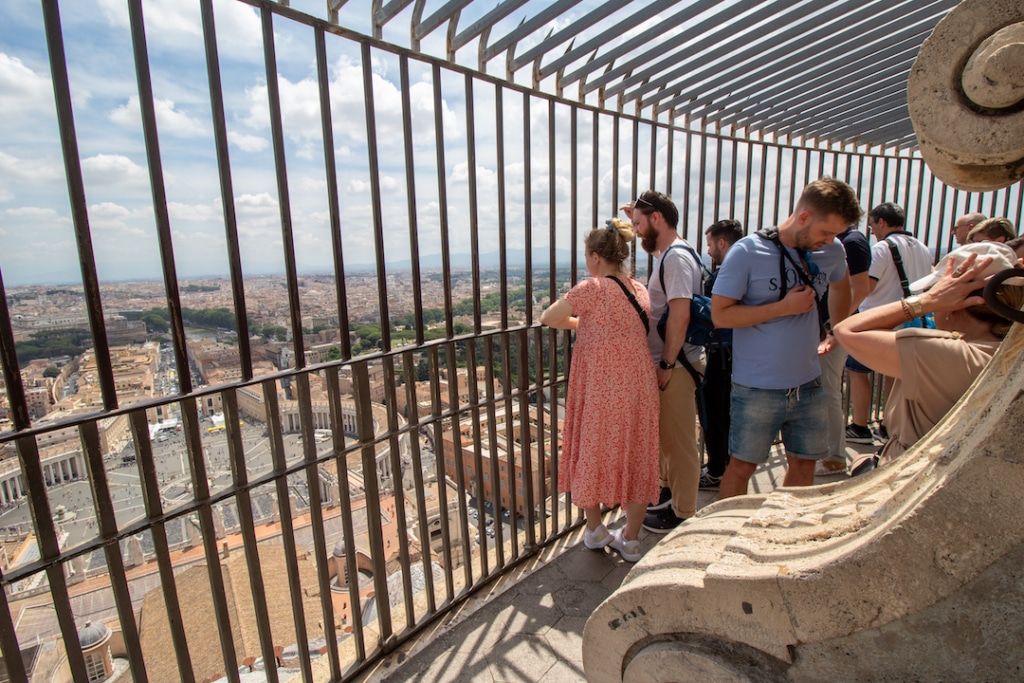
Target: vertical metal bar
point(398, 488)
point(316, 514)
point(247, 528)
point(410, 193)
point(478, 458)
point(684, 210)
point(792, 179)
point(49, 552)
point(553, 365)
point(871, 184)
point(474, 234)
point(807, 166)
point(201, 492)
point(9, 640)
point(106, 524)
point(942, 217)
point(821, 164)
point(527, 210)
point(552, 264)
point(378, 223)
point(653, 173)
point(333, 204)
point(701, 177)
point(760, 192)
point(615, 164)
point(746, 192)
point(492, 454)
point(538, 347)
point(499, 110)
point(227, 193)
point(76, 193)
point(152, 500)
point(510, 445)
point(920, 195)
point(345, 503)
point(669, 153)
point(574, 215)
point(364, 422)
point(735, 151)
point(634, 155)
point(281, 175)
point(885, 180)
point(595, 172)
point(1006, 203)
point(442, 201)
point(952, 218)
point(413, 413)
point(17, 405)
point(718, 180)
point(1020, 202)
point(284, 508)
point(439, 467)
point(525, 437)
point(460, 466)
point(929, 206)
point(778, 183)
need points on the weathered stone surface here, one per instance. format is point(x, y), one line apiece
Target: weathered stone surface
point(962, 95)
point(913, 572)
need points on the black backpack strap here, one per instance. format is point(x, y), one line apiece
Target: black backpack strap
point(897, 260)
point(636, 304)
point(802, 271)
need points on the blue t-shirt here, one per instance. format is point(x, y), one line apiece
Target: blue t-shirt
point(783, 352)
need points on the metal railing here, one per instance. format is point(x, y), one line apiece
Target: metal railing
point(499, 433)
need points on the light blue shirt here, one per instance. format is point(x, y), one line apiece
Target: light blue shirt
point(781, 353)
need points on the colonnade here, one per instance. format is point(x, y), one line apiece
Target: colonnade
point(57, 469)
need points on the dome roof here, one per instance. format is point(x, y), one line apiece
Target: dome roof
point(340, 549)
point(92, 634)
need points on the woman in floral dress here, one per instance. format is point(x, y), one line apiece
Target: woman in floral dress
point(610, 440)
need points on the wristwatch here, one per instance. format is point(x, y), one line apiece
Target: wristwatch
point(665, 365)
point(912, 306)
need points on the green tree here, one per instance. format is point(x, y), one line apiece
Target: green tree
point(51, 371)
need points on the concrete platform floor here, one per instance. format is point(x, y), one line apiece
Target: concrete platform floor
point(528, 626)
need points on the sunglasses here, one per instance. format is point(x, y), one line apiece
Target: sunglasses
point(641, 201)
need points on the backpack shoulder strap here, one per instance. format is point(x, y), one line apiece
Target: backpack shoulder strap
point(632, 299)
point(897, 260)
point(693, 254)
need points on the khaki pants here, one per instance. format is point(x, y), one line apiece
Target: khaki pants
point(680, 459)
point(832, 365)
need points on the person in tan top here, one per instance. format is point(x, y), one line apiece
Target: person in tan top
point(933, 368)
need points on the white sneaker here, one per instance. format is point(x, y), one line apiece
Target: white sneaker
point(629, 550)
point(597, 538)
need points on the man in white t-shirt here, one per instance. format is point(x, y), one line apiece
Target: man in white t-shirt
point(674, 279)
point(886, 223)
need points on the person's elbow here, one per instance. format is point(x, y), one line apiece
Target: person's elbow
point(720, 311)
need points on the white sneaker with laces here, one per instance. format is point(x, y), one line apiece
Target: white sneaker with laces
point(598, 538)
point(629, 550)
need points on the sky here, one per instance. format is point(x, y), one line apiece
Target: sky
point(36, 233)
point(37, 242)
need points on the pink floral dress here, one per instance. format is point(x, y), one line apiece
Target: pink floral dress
point(610, 437)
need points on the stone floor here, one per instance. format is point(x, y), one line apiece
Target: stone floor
point(529, 626)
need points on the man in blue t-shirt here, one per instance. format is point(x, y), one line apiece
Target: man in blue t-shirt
point(767, 290)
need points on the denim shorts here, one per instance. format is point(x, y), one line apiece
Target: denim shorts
point(758, 415)
point(856, 366)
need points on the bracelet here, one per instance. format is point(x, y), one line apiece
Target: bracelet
point(912, 307)
point(907, 313)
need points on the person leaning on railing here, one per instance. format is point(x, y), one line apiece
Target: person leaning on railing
point(610, 434)
point(933, 368)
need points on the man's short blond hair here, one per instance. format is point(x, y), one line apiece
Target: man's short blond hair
point(831, 196)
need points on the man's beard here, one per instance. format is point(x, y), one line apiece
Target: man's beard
point(802, 240)
point(649, 241)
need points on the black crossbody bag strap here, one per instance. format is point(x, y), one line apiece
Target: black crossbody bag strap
point(801, 271)
point(697, 376)
point(636, 304)
point(897, 260)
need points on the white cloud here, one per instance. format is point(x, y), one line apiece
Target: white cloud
point(193, 212)
point(173, 23)
point(169, 120)
point(31, 211)
point(300, 108)
point(21, 89)
point(115, 219)
point(246, 142)
point(36, 170)
point(112, 168)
